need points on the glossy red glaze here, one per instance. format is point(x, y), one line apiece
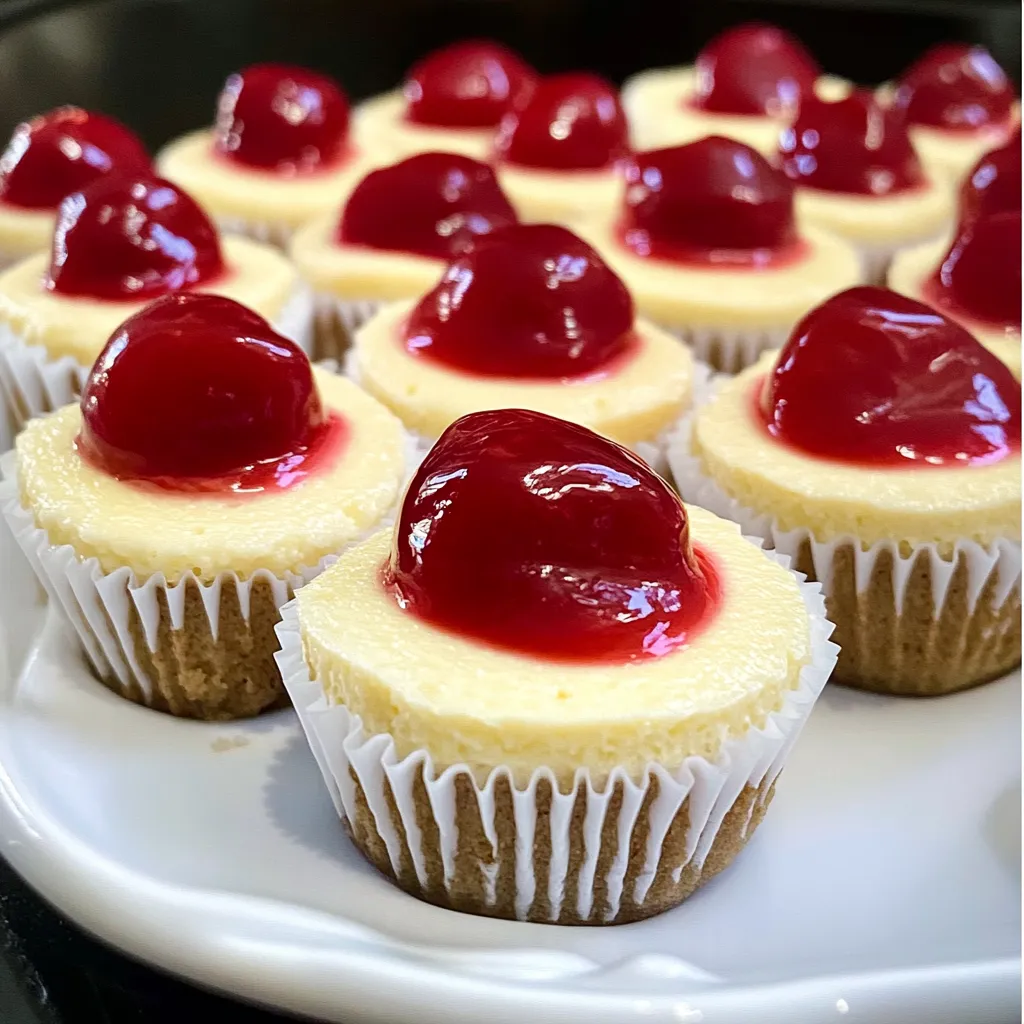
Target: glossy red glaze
point(133, 238)
point(878, 379)
point(281, 118)
point(571, 122)
point(62, 151)
point(433, 204)
point(242, 412)
point(469, 84)
point(710, 202)
point(854, 146)
point(541, 537)
point(957, 87)
point(754, 69)
point(994, 185)
point(980, 277)
point(528, 301)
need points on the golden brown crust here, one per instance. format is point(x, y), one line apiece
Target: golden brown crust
point(193, 675)
point(916, 652)
point(467, 892)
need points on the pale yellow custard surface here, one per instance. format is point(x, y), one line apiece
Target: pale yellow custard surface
point(913, 267)
point(24, 232)
point(953, 154)
point(677, 295)
point(357, 272)
point(383, 128)
point(231, 191)
point(900, 219)
point(561, 197)
point(468, 703)
point(919, 505)
point(656, 104)
point(257, 276)
point(153, 531)
point(635, 401)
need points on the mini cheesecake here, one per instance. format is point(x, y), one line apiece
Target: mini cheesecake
point(530, 317)
point(397, 232)
point(551, 653)
point(976, 280)
point(881, 451)
point(959, 103)
point(858, 176)
point(560, 154)
point(280, 152)
point(708, 241)
point(747, 84)
point(49, 157)
point(120, 243)
point(207, 472)
point(451, 101)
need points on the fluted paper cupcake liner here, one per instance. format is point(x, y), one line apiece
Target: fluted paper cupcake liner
point(337, 321)
point(32, 384)
point(909, 619)
point(194, 648)
point(277, 234)
point(729, 350)
point(653, 451)
point(606, 853)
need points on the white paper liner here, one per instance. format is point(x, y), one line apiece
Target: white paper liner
point(654, 452)
point(98, 605)
point(729, 350)
point(32, 384)
point(1003, 557)
point(268, 232)
point(712, 786)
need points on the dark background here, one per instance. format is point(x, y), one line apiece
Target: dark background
point(158, 64)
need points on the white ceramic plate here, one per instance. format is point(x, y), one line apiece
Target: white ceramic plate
point(883, 887)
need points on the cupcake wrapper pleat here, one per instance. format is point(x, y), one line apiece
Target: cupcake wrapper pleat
point(729, 350)
point(909, 620)
point(337, 320)
point(194, 648)
point(606, 853)
point(33, 384)
point(268, 232)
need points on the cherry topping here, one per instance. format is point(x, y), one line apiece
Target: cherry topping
point(281, 118)
point(131, 238)
point(854, 145)
point(541, 537)
point(875, 378)
point(957, 87)
point(467, 85)
point(572, 122)
point(433, 205)
point(528, 301)
point(242, 410)
point(754, 69)
point(712, 201)
point(994, 186)
point(62, 151)
point(980, 276)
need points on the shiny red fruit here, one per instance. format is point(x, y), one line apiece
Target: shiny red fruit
point(196, 392)
point(878, 379)
point(572, 122)
point(994, 185)
point(543, 538)
point(529, 301)
point(466, 85)
point(853, 146)
point(433, 205)
point(957, 87)
point(754, 69)
point(277, 117)
point(63, 151)
point(712, 201)
point(980, 276)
